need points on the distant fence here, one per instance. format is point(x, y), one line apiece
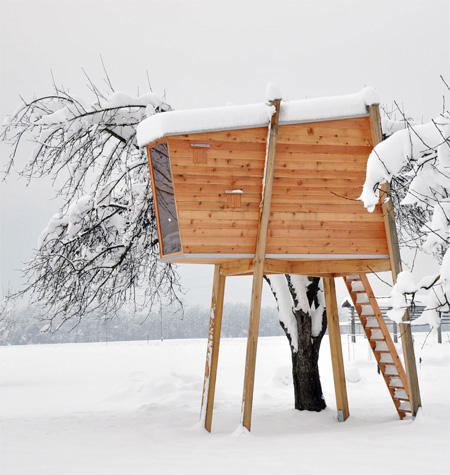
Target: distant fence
point(356, 329)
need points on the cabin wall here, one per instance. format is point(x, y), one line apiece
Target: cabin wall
point(319, 173)
point(211, 220)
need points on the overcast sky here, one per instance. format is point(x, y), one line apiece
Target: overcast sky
point(209, 54)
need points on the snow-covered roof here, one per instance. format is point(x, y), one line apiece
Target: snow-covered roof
point(253, 115)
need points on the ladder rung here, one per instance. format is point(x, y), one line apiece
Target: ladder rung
point(396, 383)
point(400, 393)
point(372, 322)
point(405, 406)
point(362, 297)
point(357, 286)
point(367, 310)
point(376, 334)
point(386, 358)
point(390, 370)
point(381, 346)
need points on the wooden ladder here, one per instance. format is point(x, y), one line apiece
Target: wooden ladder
point(380, 341)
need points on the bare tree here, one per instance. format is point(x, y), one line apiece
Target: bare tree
point(99, 252)
point(7, 311)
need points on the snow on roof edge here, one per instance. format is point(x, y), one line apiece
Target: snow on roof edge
point(254, 115)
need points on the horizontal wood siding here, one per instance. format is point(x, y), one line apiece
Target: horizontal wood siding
point(323, 168)
point(235, 161)
point(319, 173)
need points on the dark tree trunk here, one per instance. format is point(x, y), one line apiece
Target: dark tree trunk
point(305, 368)
point(305, 360)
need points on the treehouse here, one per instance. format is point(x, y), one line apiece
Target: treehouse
point(273, 188)
point(207, 172)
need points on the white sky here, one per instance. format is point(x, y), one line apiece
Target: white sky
point(208, 54)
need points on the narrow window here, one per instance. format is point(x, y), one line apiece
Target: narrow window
point(165, 200)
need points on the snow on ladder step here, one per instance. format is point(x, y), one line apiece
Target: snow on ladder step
point(357, 286)
point(386, 357)
point(362, 298)
point(381, 346)
point(400, 393)
point(367, 310)
point(376, 334)
point(395, 383)
point(372, 323)
point(390, 369)
point(405, 406)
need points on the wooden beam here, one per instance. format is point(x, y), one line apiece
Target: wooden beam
point(237, 267)
point(258, 273)
point(212, 352)
point(396, 267)
point(336, 349)
point(318, 268)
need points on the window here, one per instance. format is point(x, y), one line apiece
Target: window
point(165, 200)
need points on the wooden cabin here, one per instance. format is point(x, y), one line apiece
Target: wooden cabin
point(272, 188)
point(207, 172)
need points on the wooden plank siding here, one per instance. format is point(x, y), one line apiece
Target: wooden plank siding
point(319, 172)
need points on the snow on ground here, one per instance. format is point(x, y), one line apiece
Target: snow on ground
point(133, 408)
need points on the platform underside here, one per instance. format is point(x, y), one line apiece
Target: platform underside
point(320, 265)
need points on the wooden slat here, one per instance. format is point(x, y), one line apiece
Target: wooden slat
point(210, 232)
point(338, 234)
point(286, 244)
point(328, 225)
point(196, 196)
point(212, 205)
point(336, 348)
point(349, 208)
point(182, 145)
point(290, 161)
point(320, 129)
point(292, 137)
point(320, 247)
point(316, 182)
point(199, 169)
point(212, 352)
point(257, 171)
point(284, 195)
point(199, 189)
point(292, 236)
point(257, 134)
point(255, 306)
point(305, 216)
point(217, 223)
point(226, 249)
point(226, 214)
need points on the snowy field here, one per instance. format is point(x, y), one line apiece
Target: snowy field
point(133, 408)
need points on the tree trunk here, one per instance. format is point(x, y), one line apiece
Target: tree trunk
point(305, 372)
point(308, 395)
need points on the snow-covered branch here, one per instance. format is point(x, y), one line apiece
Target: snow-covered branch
point(100, 250)
point(416, 162)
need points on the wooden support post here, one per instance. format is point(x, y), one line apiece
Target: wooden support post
point(396, 268)
point(212, 352)
point(258, 271)
point(336, 349)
